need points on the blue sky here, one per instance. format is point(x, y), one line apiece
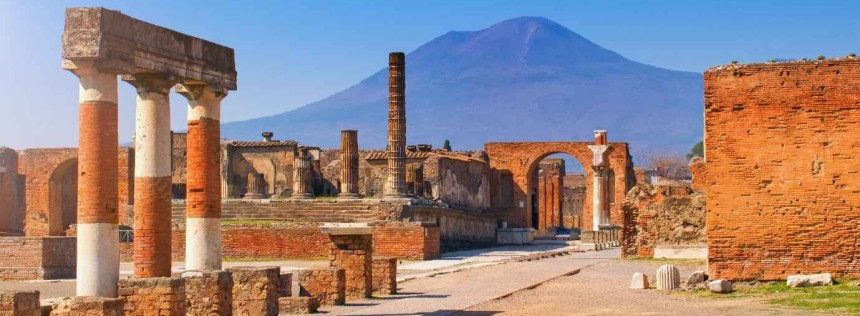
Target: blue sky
point(290, 53)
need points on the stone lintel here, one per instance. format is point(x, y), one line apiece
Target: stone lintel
point(347, 228)
point(117, 43)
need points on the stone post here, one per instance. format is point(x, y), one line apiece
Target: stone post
point(349, 165)
point(203, 197)
point(97, 230)
point(395, 184)
point(600, 180)
point(152, 175)
point(352, 251)
point(302, 178)
point(255, 186)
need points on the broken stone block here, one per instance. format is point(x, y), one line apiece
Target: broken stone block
point(668, 277)
point(698, 277)
point(720, 286)
point(805, 280)
point(639, 281)
point(298, 305)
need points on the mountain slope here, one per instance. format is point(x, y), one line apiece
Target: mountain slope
point(524, 79)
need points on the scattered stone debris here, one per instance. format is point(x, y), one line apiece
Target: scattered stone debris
point(720, 286)
point(807, 280)
point(695, 281)
point(639, 281)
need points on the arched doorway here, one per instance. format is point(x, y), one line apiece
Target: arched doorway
point(63, 198)
point(558, 191)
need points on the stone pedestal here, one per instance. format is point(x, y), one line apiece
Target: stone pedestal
point(385, 275)
point(208, 292)
point(255, 290)
point(88, 306)
point(352, 251)
point(153, 296)
point(327, 285)
point(24, 303)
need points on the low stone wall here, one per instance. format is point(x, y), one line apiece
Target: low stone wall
point(88, 305)
point(208, 292)
point(663, 214)
point(255, 290)
point(327, 285)
point(37, 258)
point(457, 229)
point(153, 296)
point(384, 275)
point(407, 241)
point(15, 303)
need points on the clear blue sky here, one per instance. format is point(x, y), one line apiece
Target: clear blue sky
point(290, 53)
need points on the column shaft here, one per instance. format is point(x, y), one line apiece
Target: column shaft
point(303, 175)
point(203, 197)
point(599, 200)
point(97, 235)
point(396, 178)
point(152, 177)
point(349, 161)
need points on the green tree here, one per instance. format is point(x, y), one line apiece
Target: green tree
point(698, 150)
point(447, 145)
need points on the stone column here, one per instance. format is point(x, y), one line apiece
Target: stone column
point(203, 197)
point(302, 176)
point(395, 184)
point(152, 175)
point(349, 165)
point(255, 186)
point(97, 231)
point(599, 184)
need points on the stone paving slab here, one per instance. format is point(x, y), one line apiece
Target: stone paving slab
point(448, 293)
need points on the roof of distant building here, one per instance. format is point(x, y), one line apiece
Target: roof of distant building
point(275, 143)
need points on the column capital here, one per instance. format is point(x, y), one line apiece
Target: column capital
point(195, 91)
point(150, 82)
point(85, 67)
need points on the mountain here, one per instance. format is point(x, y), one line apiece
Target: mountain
point(524, 79)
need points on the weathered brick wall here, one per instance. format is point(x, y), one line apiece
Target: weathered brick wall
point(549, 181)
point(699, 173)
point(407, 241)
point(19, 303)
point(574, 198)
point(520, 159)
point(458, 180)
point(457, 229)
point(153, 296)
point(662, 215)
point(384, 275)
point(255, 290)
point(11, 212)
point(781, 142)
point(179, 170)
point(275, 163)
point(37, 258)
point(50, 188)
point(354, 254)
point(328, 285)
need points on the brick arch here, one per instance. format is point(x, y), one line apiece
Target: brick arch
point(520, 159)
point(62, 195)
point(36, 168)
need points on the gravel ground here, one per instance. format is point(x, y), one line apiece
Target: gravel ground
point(602, 289)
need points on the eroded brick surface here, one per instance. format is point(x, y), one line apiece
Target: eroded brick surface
point(298, 305)
point(88, 306)
point(208, 292)
point(384, 275)
point(782, 142)
point(19, 303)
point(664, 214)
point(34, 258)
point(328, 285)
point(153, 296)
point(255, 290)
point(354, 254)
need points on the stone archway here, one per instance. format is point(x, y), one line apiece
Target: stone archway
point(63, 197)
point(520, 159)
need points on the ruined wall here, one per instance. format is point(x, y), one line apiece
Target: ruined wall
point(275, 163)
point(11, 212)
point(37, 258)
point(458, 229)
point(662, 215)
point(457, 180)
point(411, 241)
point(520, 159)
point(549, 182)
point(781, 142)
point(699, 174)
point(179, 170)
point(573, 197)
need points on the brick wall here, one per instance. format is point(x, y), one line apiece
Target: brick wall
point(11, 213)
point(384, 275)
point(354, 254)
point(255, 290)
point(328, 285)
point(662, 215)
point(36, 258)
point(152, 296)
point(781, 142)
point(457, 229)
point(411, 241)
point(14, 303)
point(699, 173)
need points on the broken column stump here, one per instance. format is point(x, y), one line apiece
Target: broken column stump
point(255, 290)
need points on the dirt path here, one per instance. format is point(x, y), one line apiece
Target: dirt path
point(602, 289)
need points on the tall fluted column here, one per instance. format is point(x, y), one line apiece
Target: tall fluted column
point(152, 176)
point(302, 177)
point(203, 197)
point(97, 231)
point(395, 184)
point(600, 213)
point(349, 168)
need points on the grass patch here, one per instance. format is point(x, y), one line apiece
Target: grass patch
point(840, 297)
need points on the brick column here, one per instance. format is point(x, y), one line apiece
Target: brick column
point(152, 175)
point(349, 168)
point(97, 231)
point(302, 177)
point(203, 197)
point(395, 184)
point(354, 254)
